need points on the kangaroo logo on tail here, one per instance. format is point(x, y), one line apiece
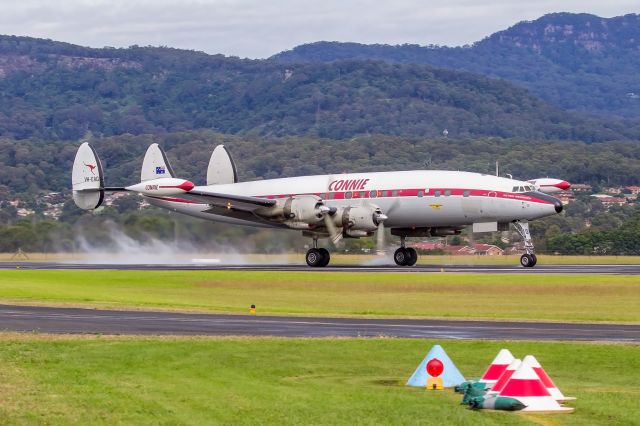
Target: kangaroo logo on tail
point(91, 167)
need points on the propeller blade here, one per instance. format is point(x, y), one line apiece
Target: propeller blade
point(380, 243)
point(334, 235)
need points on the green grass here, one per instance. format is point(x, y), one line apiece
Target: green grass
point(105, 380)
point(528, 297)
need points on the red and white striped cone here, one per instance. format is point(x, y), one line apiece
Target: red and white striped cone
point(546, 380)
point(497, 367)
point(526, 387)
point(504, 378)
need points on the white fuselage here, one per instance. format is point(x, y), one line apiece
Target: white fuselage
point(419, 198)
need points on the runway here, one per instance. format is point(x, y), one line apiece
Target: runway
point(485, 269)
point(74, 320)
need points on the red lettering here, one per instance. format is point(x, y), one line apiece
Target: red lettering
point(331, 185)
point(364, 183)
point(352, 184)
point(339, 185)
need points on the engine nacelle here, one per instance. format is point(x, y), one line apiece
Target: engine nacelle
point(162, 187)
point(442, 231)
point(358, 218)
point(549, 185)
point(304, 209)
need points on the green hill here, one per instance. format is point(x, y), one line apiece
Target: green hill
point(575, 61)
point(58, 91)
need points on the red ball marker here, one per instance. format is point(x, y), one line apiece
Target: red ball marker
point(435, 367)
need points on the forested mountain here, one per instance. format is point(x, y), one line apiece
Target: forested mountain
point(575, 61)
point(58, 91)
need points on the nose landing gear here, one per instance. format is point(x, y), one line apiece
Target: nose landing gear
point(528, 259)
point(405, 256)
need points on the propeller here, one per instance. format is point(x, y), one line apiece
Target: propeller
point(380, 237)
point(334, 234)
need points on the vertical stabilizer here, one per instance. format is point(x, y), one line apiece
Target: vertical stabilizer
point(155, 164)
point(221, 168)
point(87, 178)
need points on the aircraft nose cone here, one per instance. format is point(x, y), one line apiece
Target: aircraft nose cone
point(558, 205)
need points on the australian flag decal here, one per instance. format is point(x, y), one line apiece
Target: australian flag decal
point(160, 170)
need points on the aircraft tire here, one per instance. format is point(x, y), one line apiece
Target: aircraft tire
point(401, 256)
point(326, 257)
point(314, 258)
point(413, 256)
point(535, 260)
point(528, 260)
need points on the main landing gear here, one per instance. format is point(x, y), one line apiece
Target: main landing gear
point(528, 259)
point(317, 257)
point(405, 256)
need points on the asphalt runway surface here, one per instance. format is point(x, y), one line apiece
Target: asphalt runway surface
point(493, 269)
point(92, 321)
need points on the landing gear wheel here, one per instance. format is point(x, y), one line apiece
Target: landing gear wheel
point(413, 256)
point(528, 260)
point(326, 257)
point(314, 258)
point(401, 256)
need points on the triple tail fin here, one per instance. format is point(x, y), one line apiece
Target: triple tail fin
point(222, 169)
point(155, 164)
point(87, 178)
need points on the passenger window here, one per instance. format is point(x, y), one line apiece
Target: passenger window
point(465, 194)
point(420, 194)
point(437, 194)
point(447, 193)
point(348, 194)
point(394, 193)
point(363, 194)
point(331, 195)
point(373, 194)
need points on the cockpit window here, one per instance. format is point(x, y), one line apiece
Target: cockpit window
point(515, 189)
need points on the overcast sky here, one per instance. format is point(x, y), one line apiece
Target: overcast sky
point(260, 28)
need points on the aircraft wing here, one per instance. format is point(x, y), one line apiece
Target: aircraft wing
point(228, 201)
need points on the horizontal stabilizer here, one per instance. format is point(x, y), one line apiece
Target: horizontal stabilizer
point(155, 164)
point(222, 169)
point(87, 178)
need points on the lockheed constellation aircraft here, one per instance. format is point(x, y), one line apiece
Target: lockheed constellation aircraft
point(417, 203)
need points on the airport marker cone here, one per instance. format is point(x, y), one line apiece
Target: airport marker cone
point(526, 387)
point(546, 380)
point(497, 367)
point(506, 375)
point(451, 376)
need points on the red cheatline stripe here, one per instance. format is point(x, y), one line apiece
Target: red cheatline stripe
point(185, 186)
point(546, 380)
point(524, 387)
point(400, 193)
point(494, 371)
point(502, 381)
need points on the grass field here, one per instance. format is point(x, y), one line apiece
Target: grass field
point(114, 380)
point(336, 259)
point(528, 297)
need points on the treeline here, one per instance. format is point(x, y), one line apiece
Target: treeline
point(29, 167)
point(57, 91)
point(575, 61)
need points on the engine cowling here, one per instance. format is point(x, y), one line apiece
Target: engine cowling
point(304, 209)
